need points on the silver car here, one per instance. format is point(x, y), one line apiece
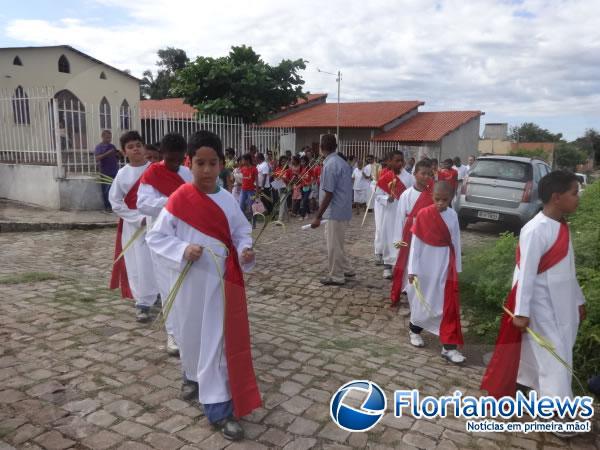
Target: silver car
point(501, 189)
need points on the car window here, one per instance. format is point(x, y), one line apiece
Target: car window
point(502, 170)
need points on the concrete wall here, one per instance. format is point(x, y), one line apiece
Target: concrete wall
point(40, 185)
point(495, 131)
point(494, 146)
point(462, 142)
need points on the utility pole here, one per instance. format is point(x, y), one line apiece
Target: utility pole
point(338, 79)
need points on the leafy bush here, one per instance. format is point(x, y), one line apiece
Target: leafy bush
point(534, 153)
point(487, 275)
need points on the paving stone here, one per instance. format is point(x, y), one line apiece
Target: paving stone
point(304, 427)
point(53, 440)
point(175, 423)
point(9, 396)
point(101, 418)
point(419, 441)
point(197, 434)
point(82, 407)
point(163, 441)
point(276, 437)
point(131, 445)
point(296, 405)
point(102, 440)
point(301, 444)
point(334, 433)
point(25, 433)
point(123, 408)
point(131, 429)
point(290, 388)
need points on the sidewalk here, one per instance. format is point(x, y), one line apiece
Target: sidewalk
point(15, 216)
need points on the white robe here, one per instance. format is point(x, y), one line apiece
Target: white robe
point(406, 203)
point(150, 202)
point(388, 219)
point(430, 264)
point(199, 305)
point(551, 301)
point(140, 272)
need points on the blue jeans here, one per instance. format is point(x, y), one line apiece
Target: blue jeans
point(105, 188)
point(246, 199)
point(218, 411)
point(304, 203)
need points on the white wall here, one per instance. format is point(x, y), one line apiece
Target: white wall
point(40, 185)
point(462, 142)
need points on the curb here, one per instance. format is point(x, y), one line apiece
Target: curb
point(12, 227)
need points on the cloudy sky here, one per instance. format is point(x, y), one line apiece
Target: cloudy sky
point(529, 60)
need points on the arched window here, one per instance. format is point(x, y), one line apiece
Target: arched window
point(20, 105)
point(105, 120)
point(102, 76)
point(17, 61)
point(63, 64)
point(71, 120)
point(124, 115)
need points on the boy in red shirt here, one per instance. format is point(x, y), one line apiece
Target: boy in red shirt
point(448, 174)
point(249, 182)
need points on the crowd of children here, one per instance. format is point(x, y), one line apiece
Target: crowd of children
point(175, 219)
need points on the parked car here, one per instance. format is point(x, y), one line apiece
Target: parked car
point(583, 181)
point(501, 189)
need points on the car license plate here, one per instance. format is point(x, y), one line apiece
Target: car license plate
point(488, 215)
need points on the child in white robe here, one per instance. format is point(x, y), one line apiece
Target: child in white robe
point(156, 185)
point(122, 195)
point(391, 185)
point(547, 298)
point(435, 265)
point(204, 225)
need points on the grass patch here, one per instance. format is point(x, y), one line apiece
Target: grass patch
point(29, 277)
point(487, 276)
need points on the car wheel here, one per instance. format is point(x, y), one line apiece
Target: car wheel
point(463, 223)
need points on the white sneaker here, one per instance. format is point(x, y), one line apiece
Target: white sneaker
point(416, 339)
point(172, 348)
point(454, 356)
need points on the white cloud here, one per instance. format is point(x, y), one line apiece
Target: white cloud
point(536, 57)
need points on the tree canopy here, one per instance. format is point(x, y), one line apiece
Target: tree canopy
point(240, 84)
point(531, 132)
point(170, 61)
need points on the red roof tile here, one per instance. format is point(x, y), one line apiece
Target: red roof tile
point(352, 115)
point(428, 126)
point(171, 107)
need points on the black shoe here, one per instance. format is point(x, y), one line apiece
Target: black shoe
point(331, 282)
point(231, 429)
point(349, 274)
point(189, 391)
point(142, 314)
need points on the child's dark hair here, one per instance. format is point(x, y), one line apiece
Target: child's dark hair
point(282, 159)
point(247, 157)
point(434, 161)
point(204, 138)
point(260, 157)
point(305, 160)
point(173, 143)
point(230, 152)
point(393, 153)
point(295, 160)
point(449, 161)
point(556, 182)
point(128, 137)
point(151, 147)
point(423, 164)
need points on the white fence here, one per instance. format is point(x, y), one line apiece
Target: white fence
point(360, 149)
point(39, 127)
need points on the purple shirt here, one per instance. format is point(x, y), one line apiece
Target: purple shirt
point(109, 165)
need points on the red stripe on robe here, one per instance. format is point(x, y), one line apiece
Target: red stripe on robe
point(391, 184)
point(423, 201)
point(197, 210)
point(118, 277)
point(431, 229)
point(161, 178)
point(500, 378)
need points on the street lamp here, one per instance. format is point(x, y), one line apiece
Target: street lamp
point(338, 79)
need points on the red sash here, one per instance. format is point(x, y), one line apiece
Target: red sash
point(118, 277)
point(423, 201)
point(391, 184)
point(500, 378)
point(162, 179)
point(431, 229)
point(197, 210)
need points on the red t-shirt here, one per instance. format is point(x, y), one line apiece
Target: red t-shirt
point(449, 175)
point(249, 174)
point(317, 174)
point(307, 176)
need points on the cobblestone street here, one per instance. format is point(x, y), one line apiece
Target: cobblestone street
point(77, 370)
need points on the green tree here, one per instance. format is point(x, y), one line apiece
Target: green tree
point(170, 61)
point(531, 132)
point(568, 155)
point(240, 84)
point(590, 143)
